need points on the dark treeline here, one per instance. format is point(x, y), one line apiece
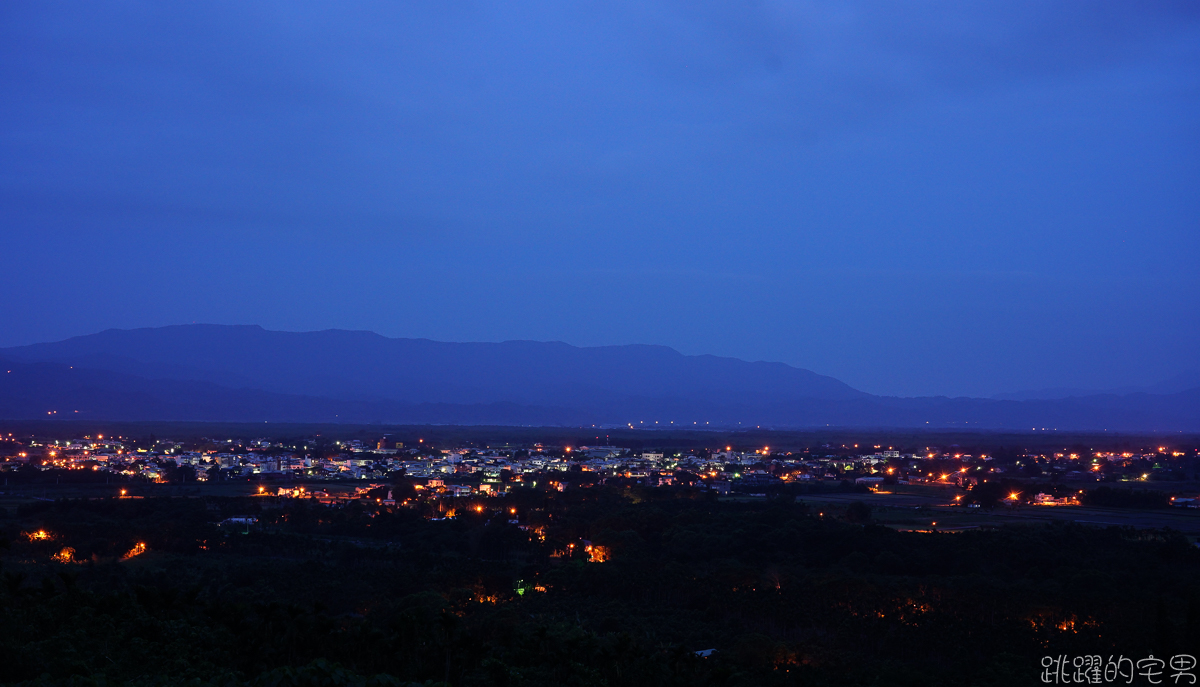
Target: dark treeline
point(1125, 498)
point(363, 594)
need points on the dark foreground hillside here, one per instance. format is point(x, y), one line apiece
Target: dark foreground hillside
point(363, 594)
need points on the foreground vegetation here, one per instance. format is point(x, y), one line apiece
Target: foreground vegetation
point(156, 591)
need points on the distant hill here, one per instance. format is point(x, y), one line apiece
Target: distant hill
point(357, 365)
point(246, 373)
point(58, 391)
point(1181, 382)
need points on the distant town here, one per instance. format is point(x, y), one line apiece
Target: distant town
point(1048, 478)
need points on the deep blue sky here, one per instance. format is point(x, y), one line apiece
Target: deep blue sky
point(916, 198)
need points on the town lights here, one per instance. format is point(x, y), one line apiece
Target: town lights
point(1013, 496)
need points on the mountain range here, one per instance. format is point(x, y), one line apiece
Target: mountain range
point(247, 373)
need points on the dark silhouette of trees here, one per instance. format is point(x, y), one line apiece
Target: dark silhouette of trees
point(362, 594)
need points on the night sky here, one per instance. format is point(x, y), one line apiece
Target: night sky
point(916, 198)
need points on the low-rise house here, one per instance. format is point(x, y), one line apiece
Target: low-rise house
point(459, 489)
